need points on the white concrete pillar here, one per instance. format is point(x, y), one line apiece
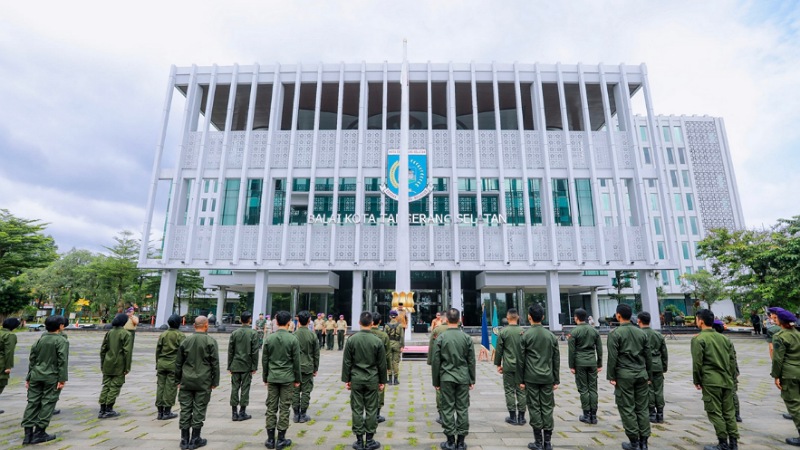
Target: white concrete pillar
point(595, 306)
point(260, 294)
point(166, 296)
point(456, 301)
point(295, 301)
point(357, 299)
point(647, 286)
point(553, 300)
point(221, 294)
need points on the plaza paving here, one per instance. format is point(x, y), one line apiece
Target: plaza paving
point(410, 407)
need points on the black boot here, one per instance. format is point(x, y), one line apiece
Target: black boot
point(787, 416)
point(537, 440)
point(733, 443)
point(235, 413)
point(439, 418)
point(102, 413)
point(548, 435)
point(110, 411)
point(370, 443)
point(303, 416)
point(198, 441)
point(521, 418)
point(160, 413)
point(723, 445)
point(282, 442)
point(396, 380)
point(270, 443)
point(359, 443)
point(586, 417)
point(185, 439)
point(643, 443)
point(449, 444)
point(738, 418)
point(243, 413)
point(168, 414)
point(659, 415)
point(632, 445)
point(512, 417)
point(460, 444)
point(56, 412)
point(40, 435)
point(381, 419)
point(593, 413)
point(28, 435)
point(296, 415)
point(793, 441)
point(652, 415)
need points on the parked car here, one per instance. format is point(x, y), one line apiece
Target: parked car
point(35, 326)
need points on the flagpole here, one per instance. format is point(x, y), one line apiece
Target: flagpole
point(403, 249)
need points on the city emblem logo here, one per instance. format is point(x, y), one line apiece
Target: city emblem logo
point(418, 186)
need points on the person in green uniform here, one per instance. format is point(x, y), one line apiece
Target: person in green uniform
point(397, 339)
point(341, 330)
point(197, 372)
point(719, 327)
point(281, 374)
point(786, 367)
point(364, 375)
point(261, 325)
point(629, 371)
point(660, 362)
point(770, 333)
point(242, 365)
point(453, 373)
point(713, 372)
point(507, 360)
point(8, 344)
point(538, 376)
point(585, 355)
point(48, 372)
point(376, 323)
point(115, 363)
point(330, 329)
point(309, 366)
point(435, 333)
point(166, 353)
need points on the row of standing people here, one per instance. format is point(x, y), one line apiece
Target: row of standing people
point(327, 330)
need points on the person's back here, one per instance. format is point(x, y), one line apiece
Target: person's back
point(628, 353)
point(197, 362)
point(115, 362)
point(281, 357)
point(47, 375)
point(435, 333)
point(507, 358)
point(8, 345)
point(309, 365)
point(361, 356)
point(713, 363)
point(540, 356)
point(585, 359)
point(166, 354)
point(387, 346)
point(243, 350)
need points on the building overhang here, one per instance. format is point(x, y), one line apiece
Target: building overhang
point(572, 282)
point(282, 281)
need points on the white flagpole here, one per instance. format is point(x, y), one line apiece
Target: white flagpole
point(403, 250)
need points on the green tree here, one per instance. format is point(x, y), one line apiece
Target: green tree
point(14, 297)
point(65, 280)
point(623, 280)
point(705, 287)
point(119, 272)
point(187, 285)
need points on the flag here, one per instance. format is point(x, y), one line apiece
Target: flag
point(494, 325)
point(484, 330)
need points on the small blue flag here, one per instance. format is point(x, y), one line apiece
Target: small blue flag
point(494, 325)
point(484, 330)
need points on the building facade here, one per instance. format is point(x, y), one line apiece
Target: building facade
point(528, 183)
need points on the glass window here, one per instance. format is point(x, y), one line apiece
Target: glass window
point(206, 183)
point(681, 226)
point(605, 197)
point(202, 221)
point(347, 184)
point(678, 134)
point(609, 221)
point(205, 204)
point(301, 185)
point(583, 190)
point(643, 133)
point(535, 199)
point(298, 215)
point(372, 209)
point(676, 276)
point(441, 208)
point(665, 278)
point(323, 184)
point(467, 185)
point(685, 176)
point(252, 215)
point(667, 136)
point(657, 225)
point(561, 207)
point(678, 202)
point(390, 209)
point(372, 184)
point(468, 206)
point(231, 203)
point(213, 204)
point(651, 182)
point(602, 182)
point(646, 152)
point(689, 270)
point(346, 207)
point(685, 248)
point(673, 175)
point(323, 206)
point(689, 202)
point(653, 202)
point(278, 201)
point(682, 155)
point(661, 251)
point(440, 184)
point(491, 208)
point(693, 226)
point(514, 202)
point(670, 156)
point(490, 185)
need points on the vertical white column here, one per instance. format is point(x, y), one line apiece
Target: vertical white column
point(524, 156)
point(287, 207)
point(455, 291)
point(221, 294)
point(362, 129)
point(451, 126)
point(295, 301)
point(553, 299)
point(385, 154)
point(647, 286)
point(571, 186)
point(166, 296)
point(268, 193)
point(595, 305)
point(357, 299)
point(260, 294)
point(312, 190)
point(500, 163)
point(244, 185)
point(476, 149)
point(548, 213)
point(335, 206)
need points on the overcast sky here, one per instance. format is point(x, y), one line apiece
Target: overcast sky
point(82, 83)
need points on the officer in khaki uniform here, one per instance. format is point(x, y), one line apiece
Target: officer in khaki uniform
point(660, 361)
point(330, 329)
point(585, 351)
point(453, 373)
point(242, 365)
point(8, 343)
point(397, 339)
point(629, 371)
point(309, 365)
point(435, 334)
point(48, 369)
point(538, 375)
point(166, 354)
point(281, 373)
point(376, 323)
point(197, 369)
point(364, 375)
point(341, 330)
point(115, 362)
point(769, 334)
point(786, 367)
point(713, 372)
point(319, 330)
point(507, 359)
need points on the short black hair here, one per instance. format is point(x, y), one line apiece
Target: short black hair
point(453, 315)
point(247, 316)
point(119, 320)
point(624, 311)
point(536, 312)
point(376, 318)
point(512, 313)
point(581, 314)
point(174, 321)
point(706, 316)
point(64, 321)
point(283, 317)
point(52, 323)
point(11, 323)
point(365, 319)
point(303, 317)
point(644, 317)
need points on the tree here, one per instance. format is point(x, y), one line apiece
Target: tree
point(119, 272)
point(622, 281)
point(187, 285)
point(705, 287)
point(65, 280)
point(13, 297)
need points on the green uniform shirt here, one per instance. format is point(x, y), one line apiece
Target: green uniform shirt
point(628, 353)
point(434, 334)
point(713, 360)
point(507, 353)
point(585, 349)
point(396, 332)
point(453, 358)
point(167, 349)
point(658, 350)
point(197, 364)
point(115, 352)
point(309, 350)
point(243, 350)
point(49, 359)
point(8, 343)
point(772, 330)
point(281, 358)
point(540, 357)
point(364, 360)
point(786, 355)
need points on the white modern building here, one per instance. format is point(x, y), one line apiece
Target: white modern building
point(527, 183)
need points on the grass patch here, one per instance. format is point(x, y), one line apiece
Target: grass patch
point(412, 429)
point(98, 434)
point(320, 440)
point(411, 410)
point(389, 434)
point(347, 433)
point(412, 441)
point(339, 447)
point(328, 428)
point(302, 432)
point(100, 442)
point(335, 418)
point(240, 446)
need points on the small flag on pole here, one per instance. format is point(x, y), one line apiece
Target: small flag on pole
point(484, 330)
point(494, 325)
